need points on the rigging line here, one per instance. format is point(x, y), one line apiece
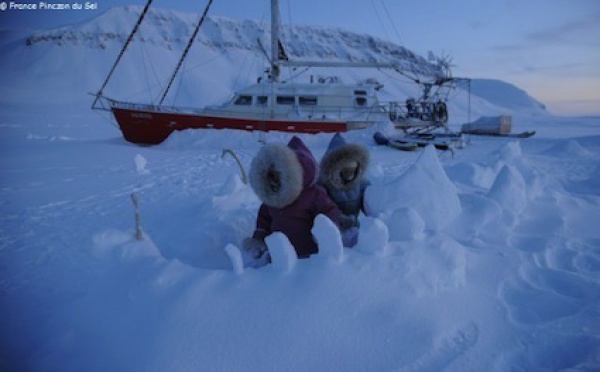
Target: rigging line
point(144, 64)
point(395, 77)
point(141, 91)
point(293, 77)
point(156, 78)
point(179, 83)
point(283, 37)
point(149, 87)
point(129, 39)
point(242, 67)
point(250, 65)
point(185, 52)
point(289, 11)
point(203, 63)
point(393, 25)
point(287, 33)
point(380, 20)
point(110, 119)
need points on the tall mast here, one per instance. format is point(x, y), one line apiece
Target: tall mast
point(275, 27)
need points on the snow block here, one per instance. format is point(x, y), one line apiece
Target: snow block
point(328, 239)
point(571, 148)
point(425, 187)
point(140, 165)
point(438, 266)
point(472, 174)
point(509, 152)
point(283, 254)
point(591, 184)
point(479, 219)
point(406, 224)
point(232, 185)
point(123, 245)
point(373, 236)
point(234, 196)
point(509, 190)
point(235, 256)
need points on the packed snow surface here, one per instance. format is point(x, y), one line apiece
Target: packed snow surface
point(485, 259)
point(507, 276)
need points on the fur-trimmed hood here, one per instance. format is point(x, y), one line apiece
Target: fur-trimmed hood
point(294, 162)
point(338, 154)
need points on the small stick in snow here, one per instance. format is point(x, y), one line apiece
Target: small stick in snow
point(138, 223)
point(239, 163)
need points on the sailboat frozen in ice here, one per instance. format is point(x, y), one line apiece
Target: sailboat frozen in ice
point(271, 104)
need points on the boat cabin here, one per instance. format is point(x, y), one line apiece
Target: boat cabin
point(306, 101)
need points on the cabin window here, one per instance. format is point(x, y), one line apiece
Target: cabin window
point(286, 100)
point(307, 101)
point(261, 100)
point(243, 100)
point(360, 92)
point(360, 101)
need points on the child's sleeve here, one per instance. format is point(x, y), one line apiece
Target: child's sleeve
point(263, 223)
point(324, 205)
point(363, 186)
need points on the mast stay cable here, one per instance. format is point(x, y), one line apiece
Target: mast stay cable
point(185, 52)
point(129, 39)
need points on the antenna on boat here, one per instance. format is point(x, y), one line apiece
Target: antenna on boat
point(185, 52)
point(112, 70)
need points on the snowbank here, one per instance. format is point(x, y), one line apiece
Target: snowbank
point(425, 181)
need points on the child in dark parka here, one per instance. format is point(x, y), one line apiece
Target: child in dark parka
point(342, 173)
point(285, 179)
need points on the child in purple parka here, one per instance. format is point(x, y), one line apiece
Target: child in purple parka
point(285, 179)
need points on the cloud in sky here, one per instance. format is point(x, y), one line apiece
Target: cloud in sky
point(575, 33)
point(584, 32)
point(557, 60)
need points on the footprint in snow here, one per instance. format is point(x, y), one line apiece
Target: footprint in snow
point(448, 348)
point(578, 256)
point(527, 304)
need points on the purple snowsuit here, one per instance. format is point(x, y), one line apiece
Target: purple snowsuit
point(293, 207)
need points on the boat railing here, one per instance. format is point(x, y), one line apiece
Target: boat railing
point(150, 107)
point(392, 110)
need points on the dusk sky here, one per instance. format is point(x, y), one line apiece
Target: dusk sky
point(550, 48)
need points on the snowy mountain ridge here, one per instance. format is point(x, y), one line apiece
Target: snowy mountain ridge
point(503, 93)
point(171, 30)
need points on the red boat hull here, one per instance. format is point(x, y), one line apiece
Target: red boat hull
point(152, 127)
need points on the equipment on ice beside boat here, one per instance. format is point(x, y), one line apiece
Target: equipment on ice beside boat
point(489, 125)
point(444, 139)
point(494, 126)
point(411, 142)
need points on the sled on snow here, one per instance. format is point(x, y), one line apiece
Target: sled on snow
point(525, 134)
point(413, 142)
point(496, 126)
point(396, 143)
